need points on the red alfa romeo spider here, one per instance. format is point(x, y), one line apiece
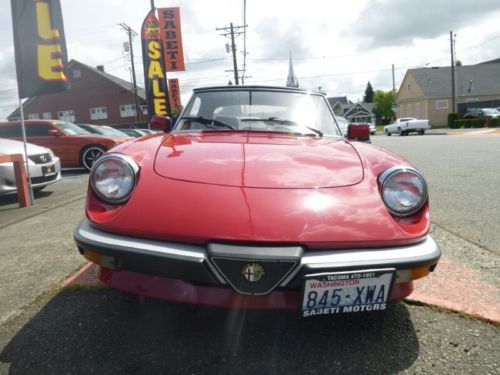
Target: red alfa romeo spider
point(254, 199)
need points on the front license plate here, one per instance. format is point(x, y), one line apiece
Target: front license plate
point(346, 292)
point(49, 170)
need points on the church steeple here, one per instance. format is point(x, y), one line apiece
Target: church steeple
point(291, 80)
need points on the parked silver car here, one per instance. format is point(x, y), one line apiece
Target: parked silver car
point(44, 166)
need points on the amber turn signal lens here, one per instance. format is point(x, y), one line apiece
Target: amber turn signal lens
point(420, 272)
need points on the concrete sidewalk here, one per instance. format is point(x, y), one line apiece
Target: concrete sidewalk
point(38, 254)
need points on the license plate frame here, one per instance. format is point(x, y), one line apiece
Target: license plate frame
point(49, 170)
point(340, 293)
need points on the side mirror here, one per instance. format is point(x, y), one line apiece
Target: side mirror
point(162, 123)
point(358, 132)
point(54, 132)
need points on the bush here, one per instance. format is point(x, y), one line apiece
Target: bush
point(473, 123)
point(452, 118)
point(495, 122)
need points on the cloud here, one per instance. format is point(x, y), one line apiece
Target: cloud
point(394, 23)
point(274, 40)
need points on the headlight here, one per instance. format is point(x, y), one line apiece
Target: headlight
point(403, 190)
point(113, 177)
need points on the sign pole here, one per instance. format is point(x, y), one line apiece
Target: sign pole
point(32, 198)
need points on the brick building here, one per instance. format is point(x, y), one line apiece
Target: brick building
point(93, 97)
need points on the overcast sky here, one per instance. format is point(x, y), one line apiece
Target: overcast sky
point(336, 45)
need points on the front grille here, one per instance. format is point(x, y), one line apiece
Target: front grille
point(254, 270)
point(251, 276)
point(41, 158)
point(41, 180)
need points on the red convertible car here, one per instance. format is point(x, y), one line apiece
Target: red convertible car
point(255, 200)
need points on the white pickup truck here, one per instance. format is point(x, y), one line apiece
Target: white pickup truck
point(406, 125)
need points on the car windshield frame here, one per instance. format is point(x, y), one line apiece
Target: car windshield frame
point(251, 109)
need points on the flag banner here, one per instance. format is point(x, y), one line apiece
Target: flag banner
point(174, 95)
point(154, 75)
point(40, 47)
point(170, 29)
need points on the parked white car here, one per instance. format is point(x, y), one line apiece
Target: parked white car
point(407, 125)
point(343, 124)
point(44, 166)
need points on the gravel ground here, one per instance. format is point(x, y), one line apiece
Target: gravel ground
point(87, 331)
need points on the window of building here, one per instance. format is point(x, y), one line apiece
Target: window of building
point(127, 110)
point(98, 113)
point(77, 73)
point(46, 115)
point(68, 115)
point(442, 104)
point(408, 87)
point(33, 116)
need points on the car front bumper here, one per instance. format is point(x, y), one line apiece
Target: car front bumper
point(198, 265)
point(37, 176)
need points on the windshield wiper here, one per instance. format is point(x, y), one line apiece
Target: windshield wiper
point(277, 120)
point(208, 122)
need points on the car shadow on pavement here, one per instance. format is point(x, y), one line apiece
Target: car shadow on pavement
point(105, 331)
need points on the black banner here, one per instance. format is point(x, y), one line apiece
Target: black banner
point(155, 77)
point(40, 47)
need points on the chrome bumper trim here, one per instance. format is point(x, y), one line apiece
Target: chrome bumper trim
point(189, 253)
point(423, 253)
point(426, 252)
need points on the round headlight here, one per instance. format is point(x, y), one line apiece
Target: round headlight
point(113, 177)
point(403, 190)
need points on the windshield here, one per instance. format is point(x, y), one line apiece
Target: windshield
point(104, 130)
point(70, 129)
point(263, 111)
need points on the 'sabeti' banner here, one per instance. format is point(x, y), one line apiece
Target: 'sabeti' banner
point(40, 47)
point(170, 29)
point(174, 95)
point(154, 74)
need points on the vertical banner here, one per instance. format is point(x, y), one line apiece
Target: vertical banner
point(40, 47)
point(170, 29)
point(174, 95)
point(154, 75)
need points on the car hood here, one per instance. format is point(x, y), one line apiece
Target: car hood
point(11, 147)
point(259, 160)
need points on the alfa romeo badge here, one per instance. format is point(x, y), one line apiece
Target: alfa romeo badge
point(253, 272)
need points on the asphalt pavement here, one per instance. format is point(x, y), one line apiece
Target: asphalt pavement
point(47, 328)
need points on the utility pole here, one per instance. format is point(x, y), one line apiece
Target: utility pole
point(231, 32)
point(393, 80)
point(131, 33)
point(453, 99)
point(244, 42)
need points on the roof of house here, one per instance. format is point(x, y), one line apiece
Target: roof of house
point(480, 79)
point(360, 107)
point(120, 82)
point(337, 99)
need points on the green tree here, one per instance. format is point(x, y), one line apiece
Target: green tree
point(383, 104)
point(368, 97)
